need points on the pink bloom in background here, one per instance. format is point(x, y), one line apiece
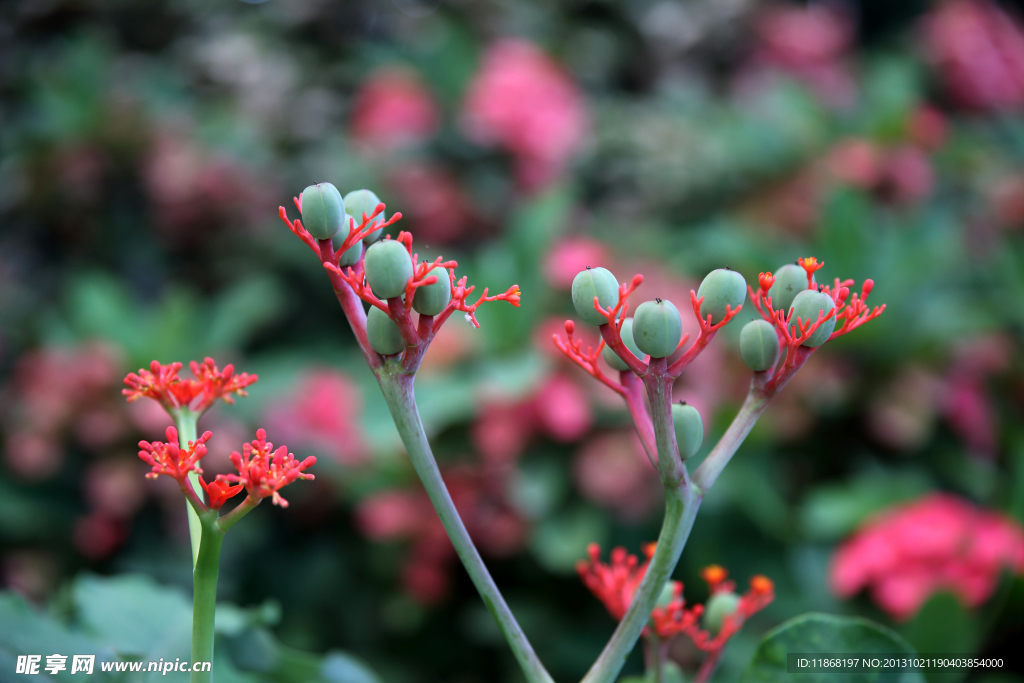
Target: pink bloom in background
point(900, 175)
point(810, 43)
point(562, 409)
point(569, 256)
point(393, 109)
point(939, 542)
point(979, 51)
point(323, 413)
point(613, 471)
point(523, 101)
point(432, 200)
point(966, 402)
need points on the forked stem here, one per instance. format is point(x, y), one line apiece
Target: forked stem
point(397, 387)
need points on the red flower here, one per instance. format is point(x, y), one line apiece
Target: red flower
point(168, 458)
point(938, 542)
point(758, 596)
point(162, 384)
point(614, 584)
point(219, 492)
point(263, 472)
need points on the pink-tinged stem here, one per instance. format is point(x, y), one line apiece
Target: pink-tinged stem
point(634, 395)
point(352, 305)
point(404, 321)
point(707, 667)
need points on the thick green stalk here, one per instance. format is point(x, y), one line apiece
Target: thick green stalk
point(398, 392)
point(186, 420)
point(680, 511)
point(204, 598)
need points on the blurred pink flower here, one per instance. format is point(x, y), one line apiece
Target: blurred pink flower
point(114, 487)
point(900, 175)
point(393, 109)
point(569, 256)
point(562, 409)
point(613, 471)
point(979, 50)
point(322, 413)
point(966, 402)
point(523, 101)
point(432, 200)
point(97, 536)
point(909, 177)
point(939, 542)
point(927, 127)
point(502, 430)
point(392, 514)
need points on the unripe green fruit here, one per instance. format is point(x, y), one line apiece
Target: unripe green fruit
point(689, 429)
point(721, 287)
point(352, 254)
point(358, 202)
point(593, 282)
point(388, 268)
point(668, 592)
point(759, 345)
point(790, 280)
point(807, 306)
point(323, 210)
point(612, 358)
point(657, 328)
point(431, 299)
point(383, 332)
point(718, 607)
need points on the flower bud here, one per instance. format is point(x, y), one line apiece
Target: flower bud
point(807, 306)
point(612, 358)
point(657, 328)
point(358, 202)
point(388, 268)
point(352, 254)
point(689, 429)
point(432, 299)
point(759, 345)
point(718, 607)
point(721, 287)
point(323, 210)
point(790, 280)
point(385, 338)
point(593, 282)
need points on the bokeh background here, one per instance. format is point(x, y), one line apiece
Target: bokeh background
point(146, 145)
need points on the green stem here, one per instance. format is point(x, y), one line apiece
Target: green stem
point(681, 505)
point(398, 392)
point(185, 420)
point(204, 599)
point(707, 474)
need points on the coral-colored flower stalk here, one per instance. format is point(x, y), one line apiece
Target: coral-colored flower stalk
point(162, 384)
point(264, 472)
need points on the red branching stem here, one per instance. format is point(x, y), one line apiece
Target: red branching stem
point(460, 292)
point(299, 231)
point(855, 313)
point(611, 331)
point(366, 226)
point(400, 314)
point(357, 283)
point(356, 316)
point(573, 349)
point(633, 393)
point(704, 337)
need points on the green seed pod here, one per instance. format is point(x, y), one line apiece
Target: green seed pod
point(689, 429)
point(657, 328)
point(759, 345)
point(431, 299)
point(593, 282)
point(668, 592)
point(323, 210)
point(790, 280)
point(717, 608)
point(388, 268)
point(383, 332)
point(719, 288)
point(352, 254)
point(807, 305)
point(358, 202)
point(626, 333)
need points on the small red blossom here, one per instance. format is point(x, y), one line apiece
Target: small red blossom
point(264, 472)
point(811, 266)
point(162, 384)
point(219, 492)
point(758, 596)
point(674, 618)
point(171, 460)
point(613, 584)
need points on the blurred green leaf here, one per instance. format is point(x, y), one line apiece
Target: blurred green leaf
point(831, 512)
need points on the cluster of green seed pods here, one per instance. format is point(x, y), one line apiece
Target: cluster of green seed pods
point(388, 268)
point(323, 210)
point(808, 305)
point(689, 429)
point(790, 280)
point(657, 328)
point(359, 202)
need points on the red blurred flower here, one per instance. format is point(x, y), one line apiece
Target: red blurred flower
point(569, 256)
point(162, 384)
point(979, 50)
point(522, 100)
point(433, 200)
point(562, 409)
point(393, 109)
point(613, 471)
point(940, 542)
point(615, 583)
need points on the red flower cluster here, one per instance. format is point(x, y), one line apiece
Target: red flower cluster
point(168, 458)
point(615, 584)
point(940, 542)
point(162, 384)
point(264, 471)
